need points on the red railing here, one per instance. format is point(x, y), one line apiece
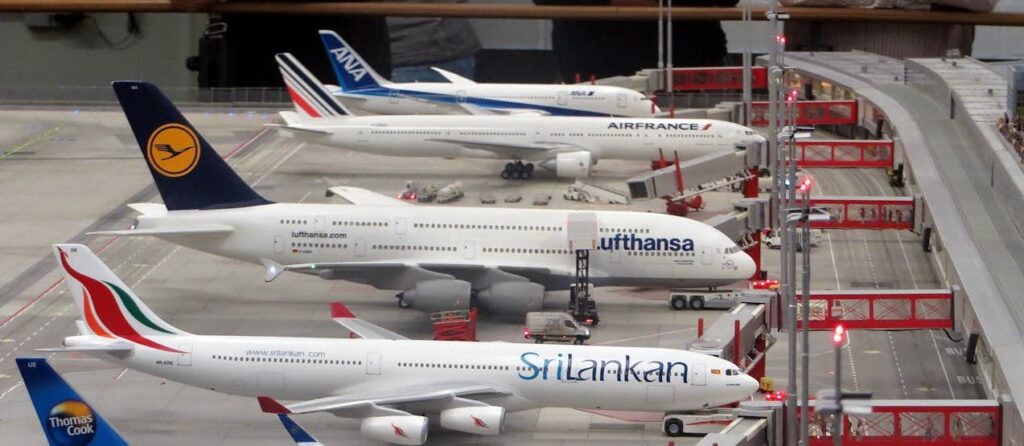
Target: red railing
point(916, 423)
point(844, 153)
point(810, 113)
point(716, 78)
point(866, 212)
point(881, 309)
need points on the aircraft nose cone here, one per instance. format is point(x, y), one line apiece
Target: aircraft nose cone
point(745, 266)
point(749, 385)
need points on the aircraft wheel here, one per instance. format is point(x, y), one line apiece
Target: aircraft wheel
point(529, 167)
point(674, 427)
point(403, 304)
point(510, 166)
point(517, 175)
point(506, 174)
point(526, 174)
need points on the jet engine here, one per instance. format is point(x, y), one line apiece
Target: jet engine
point(512, 297)
point(480, 420)
point(571, 164)
point(401, 429)
point(438, 295)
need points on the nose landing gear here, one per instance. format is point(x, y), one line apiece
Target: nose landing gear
point(517, 170)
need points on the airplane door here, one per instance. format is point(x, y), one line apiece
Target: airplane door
point(319, 223)
point(373, 363)
point(705, 255)
point(468, 250)
point(700, 377)
point(362, 135)
point(661, 394)
point(400, 225)
point(359, 246)
point(270, 383)
point(185, 358)
point(461, 96)
point(563, 97)
point(278, 245)
point(620, 99)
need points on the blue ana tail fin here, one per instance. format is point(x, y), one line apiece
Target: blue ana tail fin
point(187, 171)
point(352, 71)
point(66, 418)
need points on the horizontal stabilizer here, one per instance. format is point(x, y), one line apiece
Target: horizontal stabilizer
point(149, 209)
point(452, 77)
point(358, 195)
point(173, 230)
point(110, 348)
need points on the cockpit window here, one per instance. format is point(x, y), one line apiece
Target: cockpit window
point(732, 250)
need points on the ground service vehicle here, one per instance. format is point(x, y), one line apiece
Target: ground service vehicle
point(554, 326)
point(699, 300)
point(704, 422)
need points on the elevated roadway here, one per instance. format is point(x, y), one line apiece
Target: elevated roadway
point(973, 193)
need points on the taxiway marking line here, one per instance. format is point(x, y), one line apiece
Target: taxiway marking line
point(39, 137)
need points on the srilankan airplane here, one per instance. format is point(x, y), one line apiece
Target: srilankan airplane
point(68, 420)
point(438, 257)
point(567, 145)
point(382, 378)
point(366, 92)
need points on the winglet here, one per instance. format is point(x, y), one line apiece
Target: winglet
point(270, 405)
point(274, 269)
point(339, 310)
point(298, 434)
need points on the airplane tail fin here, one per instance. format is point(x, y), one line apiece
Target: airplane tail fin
point(311, 98)
point(352, 71)
point(65, 417)
point(187, 171)
point(108, 307)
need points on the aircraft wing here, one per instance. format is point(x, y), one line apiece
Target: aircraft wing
point(359, 405)
point(481, 111)
point(400, 276)
point(358, 195)
point(363, 329)
point(452, 77)
point(509, 150)
point(172, 230)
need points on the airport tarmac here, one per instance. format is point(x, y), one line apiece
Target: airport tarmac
point(65, 173)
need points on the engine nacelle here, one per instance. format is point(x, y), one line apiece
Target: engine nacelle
point(480, 420)
point(516, 298)
point(438, 295)
point(400, 429)
point(571, 164)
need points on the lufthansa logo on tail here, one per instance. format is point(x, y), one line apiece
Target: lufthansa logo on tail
point(173, 150)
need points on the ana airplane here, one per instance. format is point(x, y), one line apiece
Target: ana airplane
point(366, 92)
point(384, 379)
point(439, 257)
point(64, 415)
point(569, 146)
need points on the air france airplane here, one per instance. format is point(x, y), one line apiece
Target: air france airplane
point(366, 92)
point(438, 257)
point(384, 379)
point(567, 145)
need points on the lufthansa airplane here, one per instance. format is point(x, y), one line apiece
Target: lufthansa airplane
point(568, 145)
point(438, 257)
point(366, 92)
point(384, 379)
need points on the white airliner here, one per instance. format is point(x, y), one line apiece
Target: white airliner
point(437, 256)
point(366, 92)
point(568, 145)
point(384, 379)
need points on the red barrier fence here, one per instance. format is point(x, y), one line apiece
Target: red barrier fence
point(716, 78)
point(881, 309)
point(916, 423)
point(844, 153)
point(810, 113)
point(866, 212)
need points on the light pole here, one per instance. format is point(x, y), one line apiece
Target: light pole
point(838, 339)
point(805, 299)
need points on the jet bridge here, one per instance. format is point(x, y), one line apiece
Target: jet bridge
point(712, 171)
point(743, 335)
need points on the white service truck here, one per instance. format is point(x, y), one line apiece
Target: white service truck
point(700, 300)
point(554, 326)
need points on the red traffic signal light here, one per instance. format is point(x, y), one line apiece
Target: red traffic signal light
point(806, 184)
point(838, 335)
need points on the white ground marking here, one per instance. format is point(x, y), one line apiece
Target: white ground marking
point(616, 341)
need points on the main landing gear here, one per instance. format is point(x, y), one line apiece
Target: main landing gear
point(517, 170)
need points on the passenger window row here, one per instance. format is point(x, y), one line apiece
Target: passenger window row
point(415, 248)
point(320, 245)
point(441, 365)
point(527, 251)
point(487, 227)
point(626, 230)
point(360, 223)
point(661, 253)
point(293, 222)
point(285, 360)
